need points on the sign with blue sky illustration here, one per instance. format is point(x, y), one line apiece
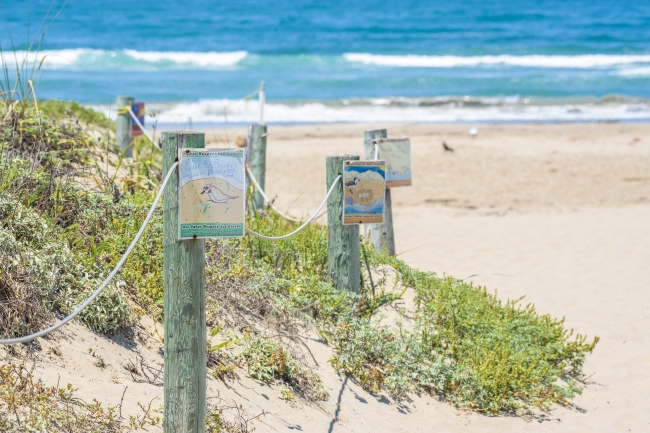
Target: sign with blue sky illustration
point(364, 187)
point(211, 193)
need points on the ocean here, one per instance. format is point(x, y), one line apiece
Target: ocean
point(354, 61)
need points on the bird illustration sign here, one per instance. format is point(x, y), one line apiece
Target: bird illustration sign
point(364, 187)
point(211, 193)
point(397, 153)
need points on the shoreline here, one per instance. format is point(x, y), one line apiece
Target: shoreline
point(206, 126)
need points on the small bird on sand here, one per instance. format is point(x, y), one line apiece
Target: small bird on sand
point(351, 184)
point(447, 148)
point(473, 132)
point(216, 195)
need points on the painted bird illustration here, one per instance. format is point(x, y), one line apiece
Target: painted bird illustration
point(216, 195)
point(353, 183)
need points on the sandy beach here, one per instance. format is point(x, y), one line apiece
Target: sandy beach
point(558, 213)
point(555, 213)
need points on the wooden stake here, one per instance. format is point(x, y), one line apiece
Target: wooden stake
point(343, 260)
point(257, 161)
point(123, 127)
point(381, 235)
point(184, 283)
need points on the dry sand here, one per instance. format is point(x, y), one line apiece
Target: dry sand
point(557, 213)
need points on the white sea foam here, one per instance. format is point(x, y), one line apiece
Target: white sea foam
point(585, 61)
point(50, 57)
point(635, 72)
point(85, 58)
point(200, 59)
point(489, 110)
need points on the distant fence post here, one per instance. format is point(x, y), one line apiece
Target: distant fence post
point(123, 126)
point(381, 235)
point(343, 259)
point(184, 284)
point(257, 147)
point(262, 101)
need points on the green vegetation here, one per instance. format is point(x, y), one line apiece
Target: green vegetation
point(63, 110)
point(267, 360)
point(70, 205)
point(466, 345)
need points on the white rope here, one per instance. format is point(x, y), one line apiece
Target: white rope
point(106, 281)
point(141, 126)
point(268, 200)
point(277, 238)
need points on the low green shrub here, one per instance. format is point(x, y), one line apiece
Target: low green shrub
point(267, 359)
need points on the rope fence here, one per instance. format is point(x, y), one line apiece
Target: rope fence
point(266, 197)
point(313, 217)
point(126, 255)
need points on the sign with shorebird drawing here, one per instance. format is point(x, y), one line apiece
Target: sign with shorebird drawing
point(397, 154)
point(364, 185)
point(211, 193)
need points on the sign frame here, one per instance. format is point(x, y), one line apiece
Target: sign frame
point(371, 184)
point(393, 183)
point(215, 165)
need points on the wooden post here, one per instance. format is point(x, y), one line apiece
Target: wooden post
point(184, 283)
point(381, 235)
point(123, 127)
point(262, 101)
point(257, 161)
point(343, 260)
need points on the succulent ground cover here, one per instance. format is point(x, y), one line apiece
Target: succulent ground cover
point(70, 205)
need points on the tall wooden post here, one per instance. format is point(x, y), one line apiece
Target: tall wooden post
point(185, 333)
point(257, 161)
point(123, 127)
point(381, 235)
point(343, 259)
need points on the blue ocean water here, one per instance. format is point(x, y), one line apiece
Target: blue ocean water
point(388, 60)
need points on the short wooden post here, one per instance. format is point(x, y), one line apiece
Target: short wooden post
point(184, 283)
point(123, 126)
point(257, 161)
point(381, 235)
point(343, 259)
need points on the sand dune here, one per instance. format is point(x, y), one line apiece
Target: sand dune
point(556, 213)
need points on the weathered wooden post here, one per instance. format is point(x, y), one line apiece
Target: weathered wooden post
point(257, 148)
point(381, 235)
point(123, 126)
point(262, 101)
point(343, 259)
point(184, 283)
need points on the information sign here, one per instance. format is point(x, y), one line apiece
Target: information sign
point(364, 184)
point(397, 154)
point(211, 193)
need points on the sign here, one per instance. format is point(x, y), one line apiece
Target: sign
point(211, 193)
point(364, 187)
point(138, 110)
point(397, 153)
